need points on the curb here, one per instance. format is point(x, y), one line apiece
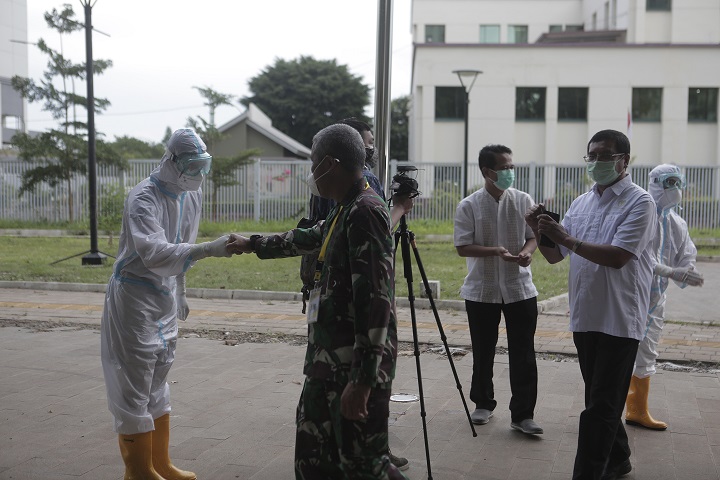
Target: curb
point(219, 293)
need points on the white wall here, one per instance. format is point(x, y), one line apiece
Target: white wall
point(13, 26)
point(462, 18)
point(13, 56)
point(610, 72)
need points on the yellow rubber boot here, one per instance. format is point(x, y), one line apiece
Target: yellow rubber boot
point(637, 405)
point(136, 451)
point(160, 452)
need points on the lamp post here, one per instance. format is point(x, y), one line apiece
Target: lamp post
point(467, 80)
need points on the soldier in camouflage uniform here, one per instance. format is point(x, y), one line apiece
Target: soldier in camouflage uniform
point(342, 415)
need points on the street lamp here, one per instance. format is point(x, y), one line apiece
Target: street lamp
point(467, 80)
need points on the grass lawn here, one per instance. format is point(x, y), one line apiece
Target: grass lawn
point(29, 259)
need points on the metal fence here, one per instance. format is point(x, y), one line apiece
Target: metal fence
point(272, 189)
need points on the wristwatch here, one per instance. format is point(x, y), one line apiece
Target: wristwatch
point(253, 241)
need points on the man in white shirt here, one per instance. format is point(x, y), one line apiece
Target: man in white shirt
point(490, 231)
point(609, 230)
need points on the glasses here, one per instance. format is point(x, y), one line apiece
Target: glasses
point(672, 182)
point(603, 157)
point(506, 167)
point(192, 165)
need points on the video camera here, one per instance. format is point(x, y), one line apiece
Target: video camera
point(403, 184)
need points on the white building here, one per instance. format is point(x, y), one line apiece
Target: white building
point(557, 71)
point(13, 61)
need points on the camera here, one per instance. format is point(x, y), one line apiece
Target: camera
point(403, 184)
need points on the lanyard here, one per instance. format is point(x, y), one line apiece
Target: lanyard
point(321, 256)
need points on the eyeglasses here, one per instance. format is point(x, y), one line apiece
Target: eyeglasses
point(603, 157)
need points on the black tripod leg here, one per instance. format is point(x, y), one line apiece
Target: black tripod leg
point(440, 328)
point(405, 250)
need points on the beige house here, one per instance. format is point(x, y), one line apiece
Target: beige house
point(254, 129)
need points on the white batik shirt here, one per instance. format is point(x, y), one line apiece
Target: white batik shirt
point(481, 220)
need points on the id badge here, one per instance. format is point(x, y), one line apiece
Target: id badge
point(313, 306)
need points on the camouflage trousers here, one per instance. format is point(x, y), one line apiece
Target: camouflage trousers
point(329, 446)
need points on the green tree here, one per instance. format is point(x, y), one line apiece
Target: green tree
point(60, 153)
point(112, 202)
point(214, 99)
point(305, 95)
point(130, 148)
point(222, 173)
point(399, 128)
point(166, 137)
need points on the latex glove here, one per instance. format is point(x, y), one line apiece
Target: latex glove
point(680, 274)
point(183, 309)
point(216, 248)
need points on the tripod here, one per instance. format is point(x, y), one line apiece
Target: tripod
point(406, 238)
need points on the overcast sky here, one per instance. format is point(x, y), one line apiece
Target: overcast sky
point(162, 48)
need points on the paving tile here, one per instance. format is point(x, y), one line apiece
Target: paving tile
point(234, 406)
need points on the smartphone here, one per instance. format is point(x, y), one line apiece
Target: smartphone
point(545, 241)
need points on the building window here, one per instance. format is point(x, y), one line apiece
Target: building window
point(435, 33)
point(659, 5)
point(572, 104)
point(530, 103)
point(449, 103)
point(517, 34)
point(594, 21)
point(555, 28)
point(574, 28)
point(702, 105)
point(646, 104)
point(489, 33)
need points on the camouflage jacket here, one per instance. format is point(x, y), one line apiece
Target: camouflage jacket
point(355, 337)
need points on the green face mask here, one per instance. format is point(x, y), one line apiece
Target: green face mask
point(603, 173)
point(505, 179)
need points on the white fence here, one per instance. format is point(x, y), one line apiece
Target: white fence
point(276, 190)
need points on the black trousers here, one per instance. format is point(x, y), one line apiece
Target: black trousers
point(520, 323)
point(606, 363)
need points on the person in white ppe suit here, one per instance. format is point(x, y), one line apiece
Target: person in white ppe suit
point(674, 259)
point(145, 297)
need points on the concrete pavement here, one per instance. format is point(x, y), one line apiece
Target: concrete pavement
point(233, 402)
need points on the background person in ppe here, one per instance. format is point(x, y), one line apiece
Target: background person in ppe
point(675, 260)
point(145, 296)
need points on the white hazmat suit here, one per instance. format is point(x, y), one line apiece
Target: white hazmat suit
point(674, 259)
point(146, 292)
